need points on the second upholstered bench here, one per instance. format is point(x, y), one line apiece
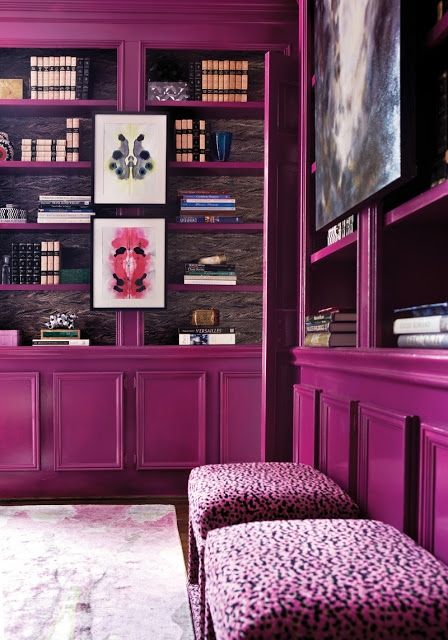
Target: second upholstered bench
point(321, 580)
point(221, 495)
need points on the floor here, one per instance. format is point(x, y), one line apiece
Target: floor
point(180, 503)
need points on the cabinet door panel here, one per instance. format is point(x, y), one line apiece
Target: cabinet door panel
point(88, 420)
point(19, 421)
point(170, 419)
point(337, 440)
point(240, 419)
point(386, 447)
point(306, 423)
point(433, 521)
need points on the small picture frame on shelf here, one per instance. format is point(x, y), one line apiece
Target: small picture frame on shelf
point(128, 263)
point(130, 158)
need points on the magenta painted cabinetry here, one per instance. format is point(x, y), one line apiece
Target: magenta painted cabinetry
point(240, 417)
point(88, 420)
point(171, 419)
point(19, 421)
point(305, 424)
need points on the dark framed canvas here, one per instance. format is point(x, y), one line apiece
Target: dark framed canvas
point(128, 263)
point(364, 133)
point(130, 158)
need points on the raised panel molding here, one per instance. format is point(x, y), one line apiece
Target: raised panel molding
point(433, 511)
point(88, 421)
point(387, 463)
point(240, 417)
point(337, 440)
point(306, 424)
point(171, 419)
point(19, 422)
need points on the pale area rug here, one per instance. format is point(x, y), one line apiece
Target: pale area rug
point(92, 572)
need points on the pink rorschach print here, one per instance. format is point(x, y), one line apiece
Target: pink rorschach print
point(130, 264)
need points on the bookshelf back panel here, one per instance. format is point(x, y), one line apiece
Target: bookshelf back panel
point(240, 310)
point(28, 312)
point(248, 192)
point(332, 285)
point(15, 63)
point(245, 252)
point(24, 190)
point(44, 127)
point(160, 62)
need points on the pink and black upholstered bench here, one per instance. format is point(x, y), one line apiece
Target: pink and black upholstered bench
point(322, 580)
point(221, 495)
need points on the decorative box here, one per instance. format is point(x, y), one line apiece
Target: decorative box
point(205, 317)
point(9, 337)
point(11, 88)
point(164, 91)
point(75, 276)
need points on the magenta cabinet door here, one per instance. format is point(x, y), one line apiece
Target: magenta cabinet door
point(240, 417)
point(337, 440)
point(305, 424)
point(88, 421)
point(19, 421)
point(387, 446)
point(171, 419)
point(433, 520)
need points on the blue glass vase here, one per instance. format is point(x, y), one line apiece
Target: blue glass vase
point(223, 142)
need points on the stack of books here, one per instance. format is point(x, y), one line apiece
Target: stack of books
point(207, 335)
point(218, 80)
point(26, 262)
point(207, 207)
point(331, 327)
point(59, 77)
point(44, 150)
point(341, 229)
point(423, 326)
point(61, 337)
point(64, 209)
point(219, 274)
point(190, 138)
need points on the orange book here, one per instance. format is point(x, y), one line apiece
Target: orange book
point(220, 80)
point(225, 82)
point(184, 140)
point(244, 80)
point(232, 80)
point(205, 78)
point(178, 139)
point(215, 76)
point(189, 149)
point(238, 80)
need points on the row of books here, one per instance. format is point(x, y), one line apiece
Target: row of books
point(59, 77)
point(207, 335)
point(218, 80)
point(215, 274)
point(423, 326)
point(207, 207)
point(53, 149)
point(35, 262)
point(440, 168)
point(341, 229)
point(190, 140)
point(60, 337)
point(331, 327)
point(64, 209)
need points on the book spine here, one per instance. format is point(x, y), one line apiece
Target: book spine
point(317, 339)
point(51, 78)
point(215, 81)
point(209, 330)
point(191, 84)
point(220, 81)
point(208, 219)
point(244, 80)
point(40, 83)
point(57, 78)
point(78, 77)
point(207, 281)
point(206, 338)
point(56, 261)
point(86, 78)
point(14, 263)
point(69, 139)
point(194, 266)
point(44, 262)
point(178, 139)
point(46, 77)
point(205, 77)
point(424, 340)
point(73, 78)
point(33, 78)
point(61, 77)
point(71, 342)
point(189, 149)
point(36, 262)
point(197, 95)
point(423, 324)
point(225, 82)
point(75, 143)
point(238, 80)
point(50, 262)
point(232, 80)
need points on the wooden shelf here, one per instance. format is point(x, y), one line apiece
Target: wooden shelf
point(218, 168)
point(431, 205)
point(44, 227)
point(216, 288)
point(342, 250)
point(212, 109)
point(45, 287)
point(185, 227)
point(439, 32)
point(27, 107)
point(18, 166)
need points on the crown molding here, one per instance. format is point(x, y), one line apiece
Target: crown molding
point(145, 8)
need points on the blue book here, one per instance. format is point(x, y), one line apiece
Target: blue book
point(434, 309)
point(200, 196)
point(207, 205)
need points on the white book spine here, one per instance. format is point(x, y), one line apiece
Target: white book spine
point(40, 71)
point(73, 79)
point(421, 324)
point(75, 131)
point(69, 145)
point(56, 78)
point(51, 78)
point(62, 77)
point(33, 78)
point(45, 77)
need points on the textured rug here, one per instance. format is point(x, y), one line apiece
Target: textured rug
point(92, 572)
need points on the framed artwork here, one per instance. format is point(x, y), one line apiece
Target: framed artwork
point(364, 138)
point(128, 263)
point(129, 158)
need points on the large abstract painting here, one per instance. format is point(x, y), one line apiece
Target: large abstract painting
point(358, 103)
point(130, 158)
point(128, 263)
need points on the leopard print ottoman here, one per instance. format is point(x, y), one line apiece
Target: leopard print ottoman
point(322, 580)
point(225, 494)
